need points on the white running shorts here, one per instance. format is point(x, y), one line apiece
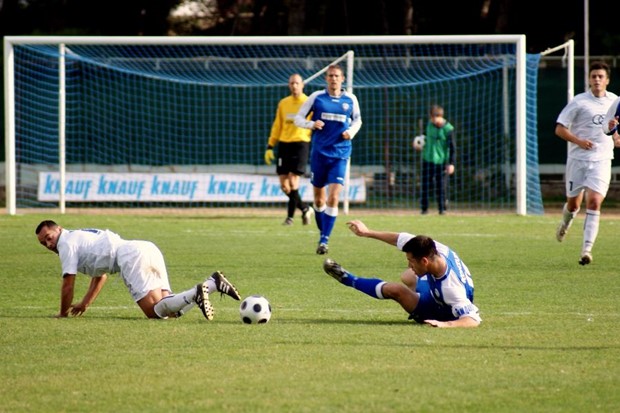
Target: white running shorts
point(594, 175)
point(142, 268)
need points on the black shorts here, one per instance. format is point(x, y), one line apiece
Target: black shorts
point(292, 158)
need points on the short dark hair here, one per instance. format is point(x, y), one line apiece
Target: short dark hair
point(435, 107)
point(421, 246)
point(47, 223)
point(600, 65)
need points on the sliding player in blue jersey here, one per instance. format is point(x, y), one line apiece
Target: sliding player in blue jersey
point(335, 121)
point(436, 289)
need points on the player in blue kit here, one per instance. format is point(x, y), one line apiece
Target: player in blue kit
point(336, 119)
point(437, 287)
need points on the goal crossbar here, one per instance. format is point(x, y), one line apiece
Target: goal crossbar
point(66, 41)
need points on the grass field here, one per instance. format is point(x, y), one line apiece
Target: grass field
point(549, 341)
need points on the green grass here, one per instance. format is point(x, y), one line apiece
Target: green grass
point(549, 341)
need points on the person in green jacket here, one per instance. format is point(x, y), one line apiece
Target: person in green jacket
point(438, 154)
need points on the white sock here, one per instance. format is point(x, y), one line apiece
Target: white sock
point(379, 290)
point(175, 303)
point(211, 288)
point(332, 211)
point(590, 229)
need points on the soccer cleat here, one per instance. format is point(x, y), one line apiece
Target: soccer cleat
point(288, 222)
point(322, 249)
point(306, 216)
point(224, 286)
point(334, 269)
point(202, 300)
point(560, 233)
point(586, 258)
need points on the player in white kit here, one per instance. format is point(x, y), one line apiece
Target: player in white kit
point(590, 152)
point(97, 253)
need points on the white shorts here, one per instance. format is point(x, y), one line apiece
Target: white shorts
point(142, 268)
point(594, 175)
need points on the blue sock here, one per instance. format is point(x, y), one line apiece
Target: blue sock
point(366, 285)
point(329, 219)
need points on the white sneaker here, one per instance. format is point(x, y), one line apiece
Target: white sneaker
point(560, 233)
point(306, 216)
point(586, 258)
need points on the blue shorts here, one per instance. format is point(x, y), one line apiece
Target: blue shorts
point(427, 308)
point(327, 171)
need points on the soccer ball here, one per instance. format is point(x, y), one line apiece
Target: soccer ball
point(255, 309)
point(418, 142)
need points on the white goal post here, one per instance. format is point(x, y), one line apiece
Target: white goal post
point(61, 43)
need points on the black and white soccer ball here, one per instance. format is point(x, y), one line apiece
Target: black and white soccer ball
point(255, 309)
point(418, 142)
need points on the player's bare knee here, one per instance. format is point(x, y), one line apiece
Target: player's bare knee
point(409, 278)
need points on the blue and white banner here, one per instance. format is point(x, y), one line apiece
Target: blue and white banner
point(176, 187)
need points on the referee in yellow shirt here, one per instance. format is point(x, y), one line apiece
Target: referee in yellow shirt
point(293, 149)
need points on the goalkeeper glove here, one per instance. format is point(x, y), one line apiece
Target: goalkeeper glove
point(269, 156)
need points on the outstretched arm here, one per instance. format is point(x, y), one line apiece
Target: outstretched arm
point(361, 230)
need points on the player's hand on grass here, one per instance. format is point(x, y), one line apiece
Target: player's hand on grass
point(78, 309)
point(435, 323)
point(269, 156)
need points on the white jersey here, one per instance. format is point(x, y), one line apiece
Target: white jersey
point(89, 251)
point(614, 110)
point(454, 289)
point(584, 116)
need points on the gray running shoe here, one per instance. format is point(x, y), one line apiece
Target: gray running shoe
point(334, 269)
point(560, 233)
point(306, 216)
point(224, 286)
point(202, 300)
point(288, 222)
point(586, 258)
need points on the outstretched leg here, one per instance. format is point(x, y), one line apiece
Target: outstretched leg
point(374, 287)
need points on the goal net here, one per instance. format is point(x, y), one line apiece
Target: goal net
point(182, 122)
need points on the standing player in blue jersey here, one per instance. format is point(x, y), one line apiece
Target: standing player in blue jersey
point(437, 287)
point(590, 152)
point(335, 120)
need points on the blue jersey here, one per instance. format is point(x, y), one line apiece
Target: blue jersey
point(454, 290)
point(340, 114)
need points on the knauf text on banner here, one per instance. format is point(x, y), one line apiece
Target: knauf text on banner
point(175, 187)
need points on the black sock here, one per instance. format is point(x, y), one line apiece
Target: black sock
point(294, 195)
point(290, 210)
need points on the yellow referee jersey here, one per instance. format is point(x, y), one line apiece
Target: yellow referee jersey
point(283, 128)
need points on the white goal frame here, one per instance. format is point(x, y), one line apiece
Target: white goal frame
point(62, 41)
